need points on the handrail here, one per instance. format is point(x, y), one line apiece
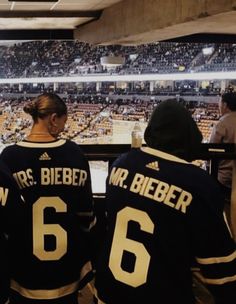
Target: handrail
point(206, 151)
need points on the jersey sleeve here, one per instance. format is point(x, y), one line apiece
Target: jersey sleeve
point(86, 210)
point(88, 221)
point(11, 206)
point(213, 245)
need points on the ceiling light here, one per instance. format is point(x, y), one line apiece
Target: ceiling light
point(208, 50)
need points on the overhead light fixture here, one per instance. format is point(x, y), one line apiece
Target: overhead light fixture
point(112, 61)
point(208, 50)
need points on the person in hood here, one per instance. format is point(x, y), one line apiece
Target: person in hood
point(162, 216)
point(172, 129)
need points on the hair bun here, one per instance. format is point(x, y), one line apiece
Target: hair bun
point(31, 108)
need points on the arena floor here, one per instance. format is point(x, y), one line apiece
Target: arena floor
point(122, 131)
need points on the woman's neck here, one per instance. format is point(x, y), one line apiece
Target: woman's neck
point(40, 136)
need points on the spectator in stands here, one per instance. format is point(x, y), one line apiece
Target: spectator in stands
point(11, 206)
point(52, 248)
point(163, 213)
point(224, 131)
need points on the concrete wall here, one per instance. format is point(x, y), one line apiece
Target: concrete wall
point(140, 21)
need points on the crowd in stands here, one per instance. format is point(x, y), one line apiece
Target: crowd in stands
point(70, 58)
point(141, 88)
point(92, 111)
point(92, 121)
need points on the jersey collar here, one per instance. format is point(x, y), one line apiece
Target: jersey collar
point(52, 144)
point(164, 155)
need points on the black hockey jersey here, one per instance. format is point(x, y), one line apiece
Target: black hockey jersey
point(163, 213)
point(11, 207)
point(52, 245)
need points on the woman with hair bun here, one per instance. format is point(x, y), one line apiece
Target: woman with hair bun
point(52, 247)
point(49, 114)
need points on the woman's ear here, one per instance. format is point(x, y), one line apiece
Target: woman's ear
point(53, 119)
point(53, 125)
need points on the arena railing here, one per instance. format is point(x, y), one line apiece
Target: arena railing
point(211, 152)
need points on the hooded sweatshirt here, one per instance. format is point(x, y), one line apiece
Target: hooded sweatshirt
point(172, 129)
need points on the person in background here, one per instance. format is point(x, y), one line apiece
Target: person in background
point(11, 207)
point(164, 216)
point(52, 247)
point(224, 131)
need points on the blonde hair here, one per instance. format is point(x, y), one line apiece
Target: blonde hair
point(44, 105)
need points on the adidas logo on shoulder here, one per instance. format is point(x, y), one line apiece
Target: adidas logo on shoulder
point(153, 165)
point(45, 156)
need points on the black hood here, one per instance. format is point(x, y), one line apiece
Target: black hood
point(172, 129)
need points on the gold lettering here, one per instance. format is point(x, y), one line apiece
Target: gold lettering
point(45, 176)
point(184, 201)
point(63, 176)
point(141, 192)
point(82, 178)
point(58, 176)
point(24, 178)
point(67, 176)
point(75, 173)
point(154, 189)
point(171, 195)
point(3, 195)
point(161, 191)
point(137, 183)
point(150, 188)
point(117, 176)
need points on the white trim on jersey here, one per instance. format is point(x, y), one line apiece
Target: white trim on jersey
point(217, 260)
point(52, 144)
point(164, 155)
point(96, 296)
point(47, 294)
point(219, 281)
